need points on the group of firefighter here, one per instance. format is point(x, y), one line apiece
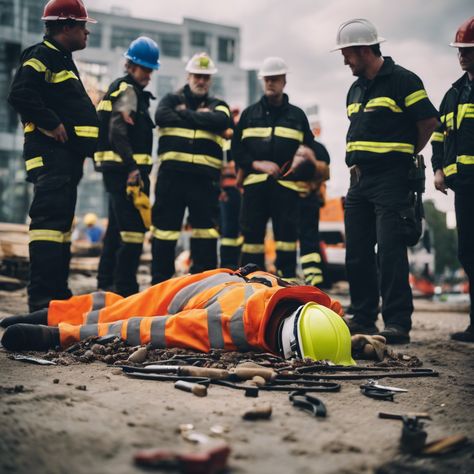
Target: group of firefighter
point(262, 165)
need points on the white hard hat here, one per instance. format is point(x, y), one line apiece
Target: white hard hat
point(201, 63)
point(273, 66)
point(357, 32)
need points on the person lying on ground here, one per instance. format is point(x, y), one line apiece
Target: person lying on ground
point(238, 310)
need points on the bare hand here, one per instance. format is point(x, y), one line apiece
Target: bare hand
point(203, 109)
point(439, 181)
point(60, 134)
point(133, 178)
point(268, 167)
point(127, 118)
point(180, 107)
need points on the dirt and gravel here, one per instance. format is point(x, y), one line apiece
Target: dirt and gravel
point(83, 416)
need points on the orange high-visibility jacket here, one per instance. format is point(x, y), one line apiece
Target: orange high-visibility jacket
point(217, 309)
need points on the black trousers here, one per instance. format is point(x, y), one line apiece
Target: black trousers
point(231, 242)
point(175, 192)
point(308, 234)
point(55, 172)
point(464, 206)
point(123, 240)
point(263, 201)
point(373, 209)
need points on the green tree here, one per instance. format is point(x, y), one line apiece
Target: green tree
point(444, 239)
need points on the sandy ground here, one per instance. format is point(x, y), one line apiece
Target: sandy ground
point(54, 425)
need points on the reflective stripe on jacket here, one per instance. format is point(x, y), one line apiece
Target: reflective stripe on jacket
point(213, 309)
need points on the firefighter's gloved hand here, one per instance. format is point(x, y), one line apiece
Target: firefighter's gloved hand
point(141, 202)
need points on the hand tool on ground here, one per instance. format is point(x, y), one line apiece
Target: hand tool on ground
point(378, 393)
point(246, 373)
point(309, 403)
point(32, 360)
point(373, 383)
point(258, 412)
point(394, 416)
point(445, 445)
point(187, 370)
point(194, 388)
point(209, 461)
point(250, 390)
point(358, 376)
point(168, 377)
point(413, 436)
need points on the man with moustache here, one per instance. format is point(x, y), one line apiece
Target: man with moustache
point(265, 146)
point(124, 158)
point(190, 150)
point(453, 157)
point(61, 129)
point(391, 120)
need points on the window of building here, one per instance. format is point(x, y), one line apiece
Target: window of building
point(200, 41)
point(217, 87)
point(170, 45)
point(226, 50)
point(165, 85)
point(95, 38)
point(34, 14)
point(95, 78)
point(6, 12)
point(122, 37)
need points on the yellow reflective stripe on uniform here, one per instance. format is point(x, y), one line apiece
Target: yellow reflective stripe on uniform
point(105, 105)
point(226, 145)
point(290, 133)
point(312, 271)
point(132, 237)
point(176, 132)
point(448, 119)
point(437, 137)
point(33, 163)
point(285, 246)
point(36, 64)
point(380, 147)
point(256, 132)
point(164, 234)
point(61, 76)
point(311, 257)
point(121, 88)
point(255, 178)
point(205, 160)
point(49, 236)
point(465, 159)
point(383, 102)
point(228, 242)
point(353, 108)
point(140, 158)
point(450, 169)
point(86, 131)
point(29, 127)
point(205, 135)
point(316, 280)
point(464, 111)
point(210, 233)
point(50, 45)
point(253, 248)
point(415, 97)
point(223, 108)
point(298, 186)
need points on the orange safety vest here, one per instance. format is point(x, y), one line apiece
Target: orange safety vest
point(217, 309)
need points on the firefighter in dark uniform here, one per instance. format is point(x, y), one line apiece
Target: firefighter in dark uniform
point(391, 120)
point(453, 157)
point(124, 158)
point(61, 129)
point(265, 141)
point(190, 150)
point(310, 203)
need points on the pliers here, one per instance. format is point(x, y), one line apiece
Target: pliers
point(308, 403)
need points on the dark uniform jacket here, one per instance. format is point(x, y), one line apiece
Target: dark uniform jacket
point(270, 134)
point(383, 113)
point(140, 135)
point(453, 141)
point(47, 91)
point(191, 141)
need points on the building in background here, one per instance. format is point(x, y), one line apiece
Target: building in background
point(100, 63)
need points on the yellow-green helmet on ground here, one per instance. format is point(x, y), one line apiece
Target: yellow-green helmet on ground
point(318, 333)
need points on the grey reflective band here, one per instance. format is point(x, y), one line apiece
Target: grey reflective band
point(98, 300)
point(181, 298)
point(220, 293)
point(133, 331)
point(214, 326)
point(92, 317)
point(88, 330)
point(157, 332)
point(237, 330)
point(115, 329)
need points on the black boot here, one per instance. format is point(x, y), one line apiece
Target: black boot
point(36, 317)
point(30, 337)
point(464, 336)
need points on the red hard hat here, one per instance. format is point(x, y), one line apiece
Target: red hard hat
point(66, 10)
point(465, 35)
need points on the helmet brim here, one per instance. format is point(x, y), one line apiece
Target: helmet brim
point(350, 45)
point(461, 45)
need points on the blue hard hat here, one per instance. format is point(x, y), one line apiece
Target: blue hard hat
point(144, 52)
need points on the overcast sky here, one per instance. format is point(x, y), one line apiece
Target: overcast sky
point(303, 31)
